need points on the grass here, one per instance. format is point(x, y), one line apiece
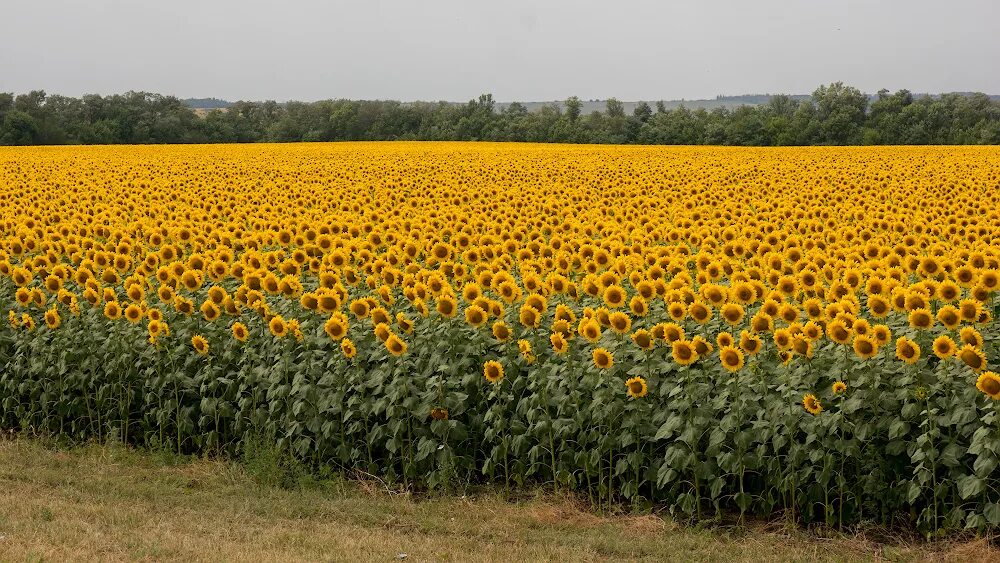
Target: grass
point(110, 503)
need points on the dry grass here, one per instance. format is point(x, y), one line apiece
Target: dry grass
point(106, 503)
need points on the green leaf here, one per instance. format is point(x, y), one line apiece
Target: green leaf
point(667, 428)
point(969, 486)
point(898, 428)
point(992, 513)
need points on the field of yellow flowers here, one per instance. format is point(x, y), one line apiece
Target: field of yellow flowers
point(803, 330)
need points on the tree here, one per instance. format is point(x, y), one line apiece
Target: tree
point(19, 128)
point(614, 108)
point(834, 114)
point(573, 106)
point(642, 112)
point(840, 113)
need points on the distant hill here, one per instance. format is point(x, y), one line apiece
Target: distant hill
point(206, 103)
point(590, 106)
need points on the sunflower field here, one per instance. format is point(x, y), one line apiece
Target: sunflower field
point(805, 331)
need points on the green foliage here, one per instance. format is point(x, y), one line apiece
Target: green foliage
point(835, 114)
point(917, 443)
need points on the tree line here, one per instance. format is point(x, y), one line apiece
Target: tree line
point(834, 114)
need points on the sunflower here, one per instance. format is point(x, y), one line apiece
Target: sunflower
point(683, 352)
point(447, 306)
point(812, 331)
point(673, 332)
point(112, 310)
point(501, 331)
point(637, 387)
point(643, 339)
point(732, 313)
point(336, 326)
point(493, 371)
point(811, 404)
point(509, 291)
point(404, 323)
point(439, 413)
point(200, 344)
point(724, 339)
point(526, 352)
point(240, 331)
point(944, 347)
point(882, 334)
point(529, 316)
point(210, 310)
point(360, 308)
point(326, 303)
point(135, 293)
point(620, 322)
point(700, 312)
point(395, 345)
point(838, 387)
point(382, 332)
point(750, 342)
point(802, 346)
point(783, 338)
point(701, 346)
point(677, 310)
point(471, 291)
point(182, 305)
point(731, 358)
point(907, 350)
point(989, 383)
point(603, 358)
point(133, 313)
point(379, 315)
point(971, 336)
point(990, 279)
point(838, 332)
point(22, 296)
point(347, 348)
point(537, 302)
point(21, 276)
point(559, 343)
point(277, 326)
point(973, 357)
point(590, 329)
point(614, 296)
point(969, 309)
point(878, 306)
point(921, 318)
point(788, 313)
point(865, 346)
point(948, 291)
point(52, 319)
point(949, 316)
point(762, 322)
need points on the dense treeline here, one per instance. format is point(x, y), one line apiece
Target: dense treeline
point(833, 115)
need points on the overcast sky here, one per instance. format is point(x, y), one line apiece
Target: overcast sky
point(529, 50)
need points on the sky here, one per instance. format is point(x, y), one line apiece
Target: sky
point(527, 50)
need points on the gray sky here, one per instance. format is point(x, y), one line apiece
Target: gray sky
point(525, 50)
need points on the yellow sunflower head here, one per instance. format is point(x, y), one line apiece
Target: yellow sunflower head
point(493, 371)
point(811, 404)
point(200, 344)
point(637, 387)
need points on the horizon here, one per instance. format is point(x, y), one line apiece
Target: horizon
point(718, 97)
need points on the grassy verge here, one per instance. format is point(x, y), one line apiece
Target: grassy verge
point(108, 503)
